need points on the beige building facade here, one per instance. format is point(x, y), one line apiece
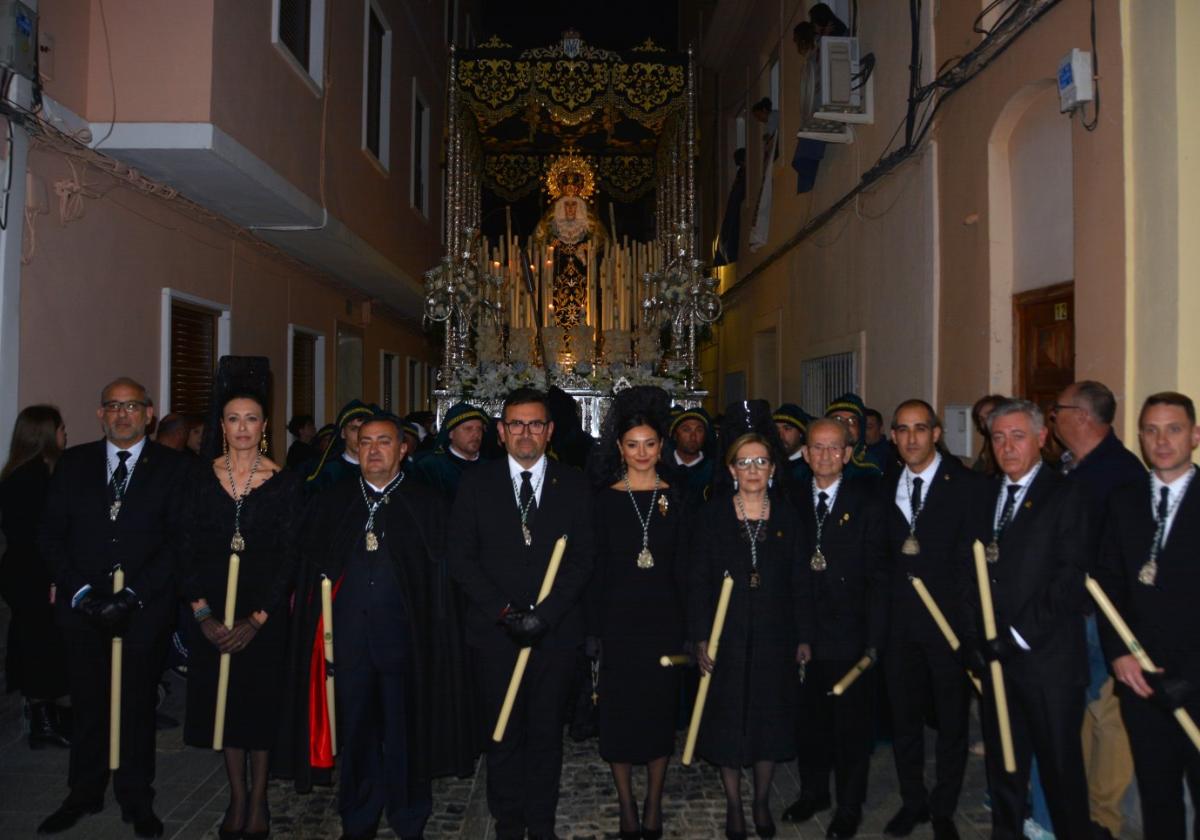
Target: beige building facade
point(233, 174)
point(1015, 248)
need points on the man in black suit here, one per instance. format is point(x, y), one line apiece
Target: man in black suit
point(114, 503)
point(1148, 568)
point(1035, 530)
point(1098, 462)
point(929, 527)
point(375, 536)
point(844, 556)
point(507, 517)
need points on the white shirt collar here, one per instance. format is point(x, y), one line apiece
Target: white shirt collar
point(458, 454)
point(683, 463)
point(135, 452)
point(379, 489)
point(830, 492)
point(1025, 480)
point(926, 475)
point(515, 469)
point(349, 458)
point(797, 455)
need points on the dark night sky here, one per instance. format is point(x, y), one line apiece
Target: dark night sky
point(609, 24)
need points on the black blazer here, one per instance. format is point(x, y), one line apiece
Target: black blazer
point(1164, 617)
point(81, 544)
point(1037, 585)
point(944, 532)
point(851, 595)
point(490, 561)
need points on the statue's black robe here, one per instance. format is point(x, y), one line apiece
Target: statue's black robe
point(441, 729)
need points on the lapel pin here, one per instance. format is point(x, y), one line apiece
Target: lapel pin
point(1028, 505)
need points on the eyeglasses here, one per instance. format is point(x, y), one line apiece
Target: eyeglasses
point(518, 427)
point(129, 406)
point(846, 420)
point(759, 463)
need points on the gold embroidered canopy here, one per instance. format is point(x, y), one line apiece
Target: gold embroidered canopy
point(612, 107)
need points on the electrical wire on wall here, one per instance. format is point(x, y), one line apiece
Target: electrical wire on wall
point(1095, 121)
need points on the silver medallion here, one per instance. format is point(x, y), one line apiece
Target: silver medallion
point(1148, 573)
point(755, 579)
point(372, 541)
point(526, 535)
point(645, 560)
point(114, 510)
point(817, 562)
point(992, 552)
point(911, 547)
point(237, 543)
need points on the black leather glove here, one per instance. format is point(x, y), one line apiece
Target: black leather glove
point(91, 605)
point(978, 654)
point(872, 654)
point(525, 627)
point(1170, 693)
point(118, 607)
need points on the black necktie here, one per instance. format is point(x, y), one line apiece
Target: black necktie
point(822, 505)
point(528, 502)
point(1009, 504)
point(116, 487)
point(1164, 495)
point(914, 502)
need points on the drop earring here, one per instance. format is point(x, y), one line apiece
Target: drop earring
point(262, 443)
point(770, 481)
point(224, 444)
point(735, 485)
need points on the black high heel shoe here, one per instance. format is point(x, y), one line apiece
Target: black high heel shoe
point(259, 835)
point(766, 829)
point(652, 833)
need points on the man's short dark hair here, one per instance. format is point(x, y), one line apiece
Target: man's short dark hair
point(385, 417)
point(935, 422)
point(1101, 403)
point(870, 412)
point(1170, 398)
point(525, 396)
point(299, 422)
point(822, 15)
point(171, 424)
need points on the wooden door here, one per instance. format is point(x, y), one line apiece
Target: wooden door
point(1044, 345)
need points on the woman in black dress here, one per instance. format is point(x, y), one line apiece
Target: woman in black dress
point(636, 601)
point(752, 535)
point(36, 658)
point(240, 502)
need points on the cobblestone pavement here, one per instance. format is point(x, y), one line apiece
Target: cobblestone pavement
point(192, 794)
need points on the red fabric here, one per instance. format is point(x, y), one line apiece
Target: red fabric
point(320, 742)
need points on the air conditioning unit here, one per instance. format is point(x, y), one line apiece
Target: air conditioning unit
point(844, 95)
point(813, 122)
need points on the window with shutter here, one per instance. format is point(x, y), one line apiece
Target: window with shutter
point(374, 81)
point(304, 374)
point(193, 358)
point(295, 20)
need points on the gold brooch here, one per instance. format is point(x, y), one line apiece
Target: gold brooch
point(663, 505)
point(1028, 505)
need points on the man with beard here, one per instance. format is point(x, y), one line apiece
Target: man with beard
point(507, 518)
point(458, 449)
point(792, 422)
point(114, 503)
point(929, 522)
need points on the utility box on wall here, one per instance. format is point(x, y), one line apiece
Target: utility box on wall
point(18, 38)
point(1075, 83)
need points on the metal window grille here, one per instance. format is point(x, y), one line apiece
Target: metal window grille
point(827, 377)
point(295, 18)
point(193, 358)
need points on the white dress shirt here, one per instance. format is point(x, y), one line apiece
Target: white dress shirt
point(1175, 491)
point(906, 480)
point(537, 479)
point(135, 452)
point(831, 493)
point(1023, 482)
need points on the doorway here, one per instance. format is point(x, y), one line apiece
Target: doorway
point(1044, 357)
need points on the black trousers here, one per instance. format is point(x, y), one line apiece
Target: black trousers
point(923, 675)
point(373, 752)
point(1046, 722)
point(835, 734)
point(523, 770)
point(1163, 757)
point(89, 662)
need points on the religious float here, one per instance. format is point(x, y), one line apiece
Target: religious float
point(575, 302)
